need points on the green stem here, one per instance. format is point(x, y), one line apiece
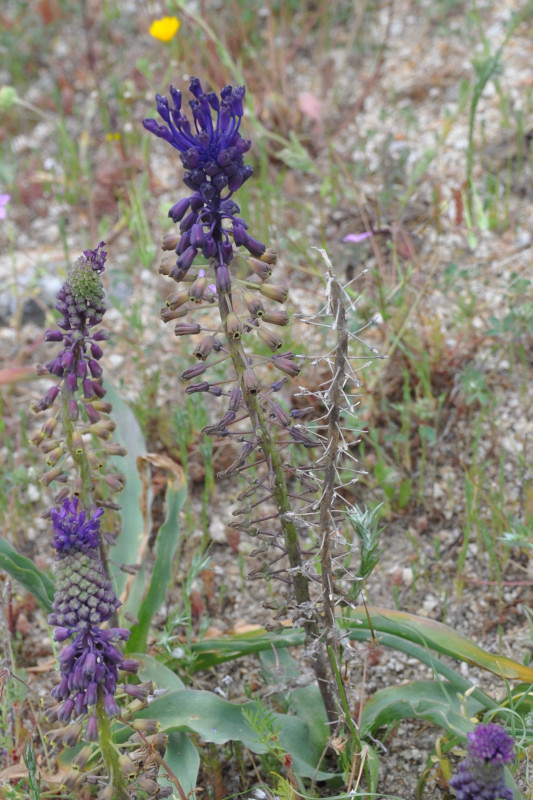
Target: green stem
point(109, 751)
point(290, 532)
point(81, 464)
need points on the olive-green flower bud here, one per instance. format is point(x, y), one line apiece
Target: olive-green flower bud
point(272, 341)
point(276, 317)
point(274, 292)
point(233, 326)
point(254, 305)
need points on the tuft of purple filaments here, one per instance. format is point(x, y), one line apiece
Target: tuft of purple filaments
point(81, 304)
point(211, 151)
point(481, 774)
point(84, 600)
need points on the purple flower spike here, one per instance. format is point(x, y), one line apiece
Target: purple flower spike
point(481, 774)
point(84, 599)
point(211, 150)
point(80, 301)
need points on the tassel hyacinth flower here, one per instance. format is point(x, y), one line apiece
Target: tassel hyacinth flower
point(235, 278)
point(212, 153)
point(84, 600)
point(481, 774)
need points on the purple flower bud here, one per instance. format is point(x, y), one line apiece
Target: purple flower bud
point(223, 280)
point(129, 665)
point(96, 351)
point(98, 389)
point(90, 664)
point(187, 223)
point(66, 710)
point(240, 236)
point(111, 705)
point(197, 235)
point(286, 365)
point(481, 774)
point(95, 368)
point(71, 382)
point(203, 386)
point(49, 397)
point(88, 390)
point(185, 260)
point(91, 730)
point(53, 336)
point(91, 693)
point(193, 372)
point(179, 209)
point(91, 412)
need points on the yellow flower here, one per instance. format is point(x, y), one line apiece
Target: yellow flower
point(165, 28)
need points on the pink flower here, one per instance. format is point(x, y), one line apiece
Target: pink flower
point(358, 237)
point(4, 200)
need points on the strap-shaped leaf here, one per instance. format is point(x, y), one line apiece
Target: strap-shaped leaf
point(435, 636)
point(168, 542)
point(26, 573)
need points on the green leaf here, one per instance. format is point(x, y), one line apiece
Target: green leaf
point(26, 573)
point(219, 721)
point(129, 434)
point(168, 541)
point(210, 652)
point(372, 768)
point(435, 635)
point(181, 756)
point(150, 669)
point(435, 701)
point(305, 702)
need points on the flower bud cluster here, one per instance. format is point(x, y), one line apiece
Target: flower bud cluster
point(211, 150)
point(235, 278)
point(77, 398)
point(481, 774)
point(84, 600)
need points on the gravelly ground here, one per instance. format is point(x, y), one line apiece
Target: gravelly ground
point(409, 109)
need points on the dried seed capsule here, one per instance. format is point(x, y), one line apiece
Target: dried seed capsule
point(286, 365)
point(250, 382)
point(167, 315)
point(165, 265)
point(80, 759)
point(77, 443)
point(193, 372)
point(274, 292)
point(177, 299)
point(279, 413)
point(276, 317)
point(270, 256)
point(272, 341)
point(53, 474)
point(254, 304)
point(49, 427)
point(260, 268)
point(146, 725)
point(196, 292)
point(170, 240)
point(148, 785)
point(184, 329)
point(233, 326)
point(235, 399)
point(203, 386)
point(126, 765)
point(203, 348)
